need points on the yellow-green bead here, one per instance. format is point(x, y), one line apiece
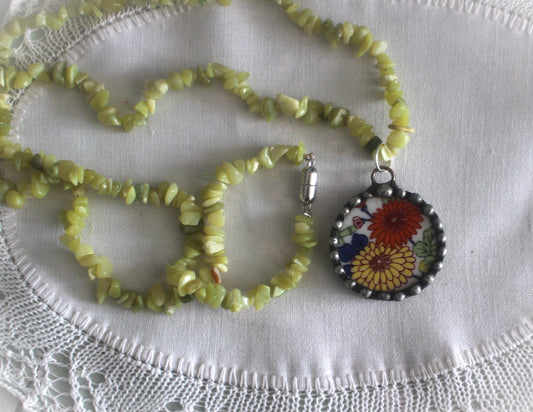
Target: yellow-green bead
point(158, 294)
point(296, 154)
point(365, 45)
point(5, 186)
point(252, 165)
point(213, 245)
point(283, 281)
point(39, 189)
point(114, 289)
point(88, 261)
point(187, 277)
point(138, 304)
point(301, 238)
point(70, 75)
point(54, 23)
point(398, 110)
point(142, 107)
point(191, 217)
point(234, 175)
point(393, 96)
point(14, 199)
point(112, 5)
point(102, 290)
point(302, 108)
point(230, 83)
point(392, 86)
point(234, 301)
point(268, 109)
point(398, 139)
point(377, 48)
point(175, 82)
point(261, 296)
point(278, 151)
point(360, 33)
point(104, 268)
point(188, 77)
point(216, 218)
point(155, 89)
point(224, 3)
point(83, 250)
point(5, 125)
point(58, 73)
point(22, 80)
point(10, 73)
point(301, 17)
point(264, 158)
point(401, 121)
point(108, 116)
point(171, 193)
point(288, 105)
point(347, 32)
point(35, 69)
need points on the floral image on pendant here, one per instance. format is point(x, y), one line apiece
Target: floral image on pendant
point(386, 244)
point(396, 222)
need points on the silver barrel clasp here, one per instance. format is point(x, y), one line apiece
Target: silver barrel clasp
point(308, 184)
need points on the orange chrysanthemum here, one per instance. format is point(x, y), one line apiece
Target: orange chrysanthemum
point(396, 222)
point(383, 268)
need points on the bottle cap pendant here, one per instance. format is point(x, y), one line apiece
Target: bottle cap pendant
point(387, 243)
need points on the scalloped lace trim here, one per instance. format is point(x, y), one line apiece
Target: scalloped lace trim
point(54, 358)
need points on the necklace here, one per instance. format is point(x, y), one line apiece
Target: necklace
point(386, 243)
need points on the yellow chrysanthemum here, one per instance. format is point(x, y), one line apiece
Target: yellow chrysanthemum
point(383, 268)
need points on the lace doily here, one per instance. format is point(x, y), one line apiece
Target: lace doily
point(54, 361)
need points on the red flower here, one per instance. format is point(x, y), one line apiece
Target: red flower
point(358, 222)
point(396, 222)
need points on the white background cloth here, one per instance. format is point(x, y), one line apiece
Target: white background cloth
point(467, 75)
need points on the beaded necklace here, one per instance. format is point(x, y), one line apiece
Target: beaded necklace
point(385, 243)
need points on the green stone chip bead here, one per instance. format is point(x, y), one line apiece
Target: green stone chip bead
point(70, 76)
point(261, 296)
point(58, 73)
point(99, 100)
point(365, 45)
point(102, 290)
point(14, 199)
point(315, 110)
point(268, 109)
point(22, 80)
point(175, 82)
point(337, 117)
point(112, 6)
point(288, 105)
point(39, 188)
point(114, 289)
point(5, 122)
point(5, 187)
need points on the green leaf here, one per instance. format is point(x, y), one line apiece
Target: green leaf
point(429, 235)
point(421, 249)
point(425, 265)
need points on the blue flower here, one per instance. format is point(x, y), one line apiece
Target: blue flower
point(349, 251)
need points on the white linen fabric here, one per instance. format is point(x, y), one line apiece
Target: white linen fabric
point(464, 344)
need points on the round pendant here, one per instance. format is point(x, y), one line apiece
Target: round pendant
point(387, 243)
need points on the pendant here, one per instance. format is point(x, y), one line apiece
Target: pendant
point(387, 243)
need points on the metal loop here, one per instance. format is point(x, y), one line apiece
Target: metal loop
point(376, 160)
point(381, 170)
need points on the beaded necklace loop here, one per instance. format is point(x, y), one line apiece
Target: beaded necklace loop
point(205, 247)
point(203, 224)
